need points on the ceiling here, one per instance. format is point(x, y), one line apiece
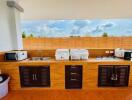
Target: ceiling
point(76, 9)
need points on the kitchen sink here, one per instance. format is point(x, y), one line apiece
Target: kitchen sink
point(107, 59)
point(40, 58)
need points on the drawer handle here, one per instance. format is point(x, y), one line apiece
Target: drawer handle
point(73, 67)
point(73, 79)
point(73, 73)
point(35, 76)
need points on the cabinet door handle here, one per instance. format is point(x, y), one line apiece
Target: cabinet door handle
point(33, 77)
point(114, 77)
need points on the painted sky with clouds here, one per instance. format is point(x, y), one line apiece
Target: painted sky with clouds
point(66, 28)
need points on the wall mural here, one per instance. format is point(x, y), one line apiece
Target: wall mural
point(81, 28)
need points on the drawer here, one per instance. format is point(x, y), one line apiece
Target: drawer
point(74, 69)
point(75, 76)
point(74, 84)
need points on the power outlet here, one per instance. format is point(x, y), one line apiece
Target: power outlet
point(111, 52)
point(107, 52)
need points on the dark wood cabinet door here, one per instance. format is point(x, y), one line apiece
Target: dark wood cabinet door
point(113, 75)
point(25, 76)
point(104, 75)
point(73, 76)
point(44, 75)
point(35, 76)
point(122, 73)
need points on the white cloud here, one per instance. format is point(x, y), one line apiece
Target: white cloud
point(102, 27)
point(78, 25)
point(55, 22)
point(49, 32)
point(87, 29)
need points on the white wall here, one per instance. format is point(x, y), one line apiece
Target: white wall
point(15, 29)
point(76, 9)
point(10, 35)
point(5, 36)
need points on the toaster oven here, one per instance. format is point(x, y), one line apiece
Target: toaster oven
point(16, 55)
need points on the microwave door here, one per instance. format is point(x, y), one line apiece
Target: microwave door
point(11, 56)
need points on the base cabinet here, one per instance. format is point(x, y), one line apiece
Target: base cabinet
point(108, 76)
point(37, 76)
point(113, 75)
point(73, 76)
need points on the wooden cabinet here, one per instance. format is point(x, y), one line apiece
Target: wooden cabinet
point(73, 76)
point(113, 75)
point(37, 76)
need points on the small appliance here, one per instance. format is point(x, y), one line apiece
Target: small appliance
point(62, 54)
point(79, 54)
point(119, 53)
point(128, 55)
point(16, 55)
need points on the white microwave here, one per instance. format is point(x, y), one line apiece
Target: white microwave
point(16, 55)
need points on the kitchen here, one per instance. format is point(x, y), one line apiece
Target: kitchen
point(72, 65)
point(58, 69)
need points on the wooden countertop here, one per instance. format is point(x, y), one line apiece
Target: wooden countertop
point(90, 60)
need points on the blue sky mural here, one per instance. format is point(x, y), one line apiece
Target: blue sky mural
point(66, 28)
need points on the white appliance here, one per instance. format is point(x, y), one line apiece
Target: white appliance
point(79, 54)
point(16, 55)
point(62, 54)
point(119, 53)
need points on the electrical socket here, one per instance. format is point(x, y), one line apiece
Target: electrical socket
point(111, 51)
point(107, 51)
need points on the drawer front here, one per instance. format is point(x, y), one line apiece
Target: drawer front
point(73, 77)
point(74, 68)
point(74, 85)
